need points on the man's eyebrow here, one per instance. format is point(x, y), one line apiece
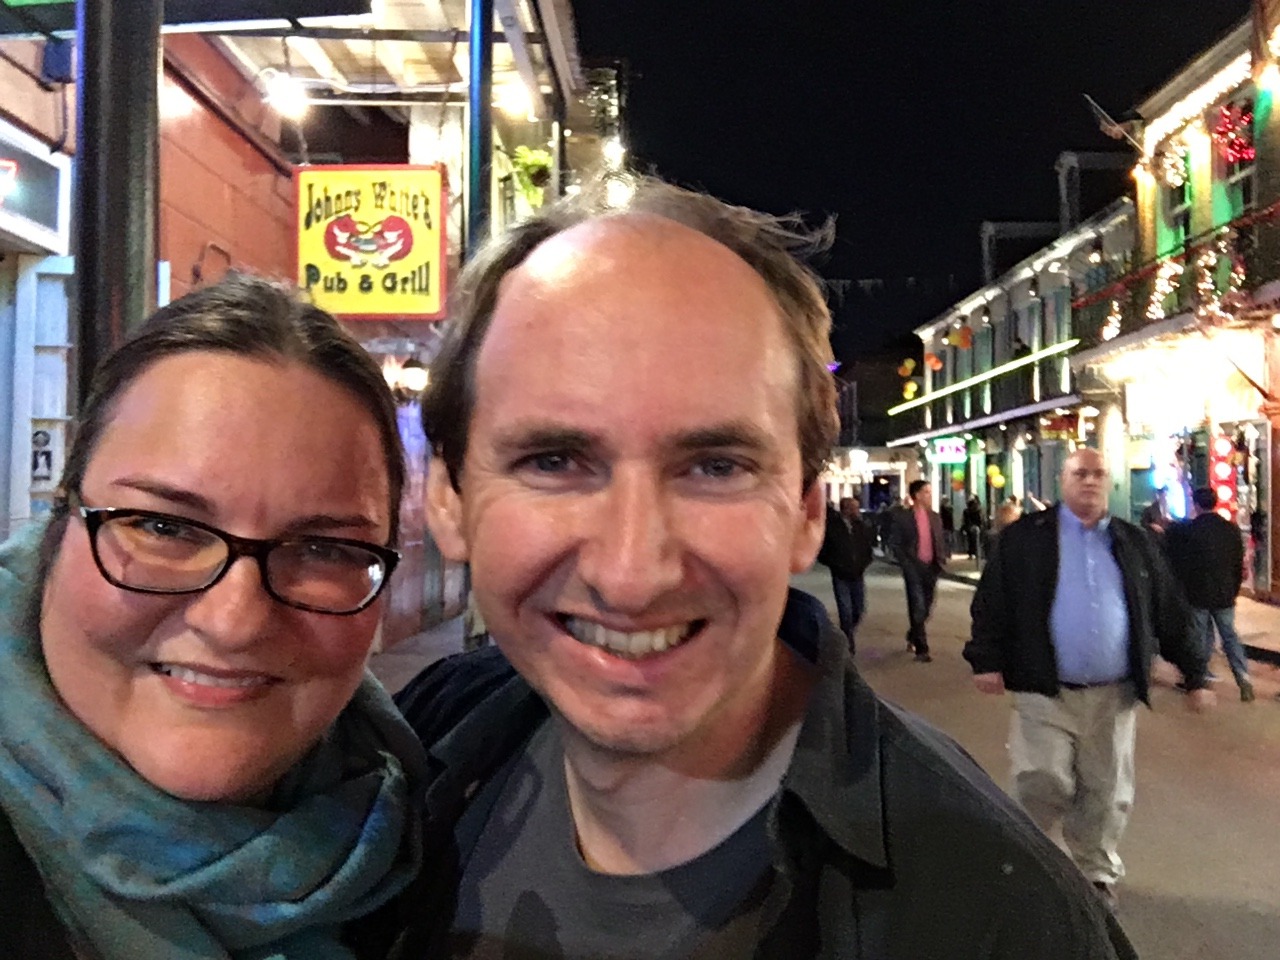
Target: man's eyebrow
point(521, 438)
point(738, 435)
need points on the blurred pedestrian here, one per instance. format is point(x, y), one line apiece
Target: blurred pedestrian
point(1007, 513)
point(1155, 515)
point(1069, 614)
point(973, 522)
point(846, 552)
point(921, 551)
point(1207, 555)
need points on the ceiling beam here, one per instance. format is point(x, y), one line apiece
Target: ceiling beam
point(509, 17)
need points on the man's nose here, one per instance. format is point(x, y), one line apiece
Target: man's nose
point(630, 556)
point(234, 613)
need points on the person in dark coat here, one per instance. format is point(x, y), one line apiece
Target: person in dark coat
point(973, 523)
point(1155, 515)
point(846, 552)
point(1207, 554)
point(668, 752)
point(1070, 612)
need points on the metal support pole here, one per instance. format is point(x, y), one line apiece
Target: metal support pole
point(480, 129)
point(117, 167)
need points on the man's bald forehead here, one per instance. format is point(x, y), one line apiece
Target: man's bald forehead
point(1084, 455)
point(605, 245)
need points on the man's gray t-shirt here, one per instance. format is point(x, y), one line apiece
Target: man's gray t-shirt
point(527, 893)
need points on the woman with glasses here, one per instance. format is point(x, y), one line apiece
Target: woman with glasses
point(193, 761)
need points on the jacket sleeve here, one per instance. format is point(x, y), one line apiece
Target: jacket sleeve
point(991, 614)
point(1171, 620)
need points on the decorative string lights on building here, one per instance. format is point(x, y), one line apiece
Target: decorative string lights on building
point(1233, 75)
point(1111, 327)
point(1167, 277)
point(1233, 133)
point(1210, 304)
point(1171, 163)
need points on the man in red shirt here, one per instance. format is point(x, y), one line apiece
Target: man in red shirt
point(921, 550)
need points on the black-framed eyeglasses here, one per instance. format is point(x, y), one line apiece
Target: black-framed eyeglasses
point(149, 552)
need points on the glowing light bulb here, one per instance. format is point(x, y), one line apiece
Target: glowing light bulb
point(287, 95)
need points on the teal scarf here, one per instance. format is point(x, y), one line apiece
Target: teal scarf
point(137, 874)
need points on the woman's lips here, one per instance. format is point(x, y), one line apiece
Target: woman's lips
point(214, 687)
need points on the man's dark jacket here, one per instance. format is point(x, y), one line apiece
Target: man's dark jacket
point(1207, 555)
point(1014, 602)
point(846, 546)
point(889, 842)
point(904, 538)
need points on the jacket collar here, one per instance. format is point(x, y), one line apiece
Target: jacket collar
point(836, 770)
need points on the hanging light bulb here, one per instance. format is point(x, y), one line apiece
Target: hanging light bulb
point(286, 94)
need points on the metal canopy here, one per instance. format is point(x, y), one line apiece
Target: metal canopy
point(35, 17)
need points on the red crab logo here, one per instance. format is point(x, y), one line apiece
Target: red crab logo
point(360, 243)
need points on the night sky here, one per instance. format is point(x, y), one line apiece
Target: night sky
point(911, 122)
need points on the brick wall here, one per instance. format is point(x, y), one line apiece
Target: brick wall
point(225, 191)
point(224, 200)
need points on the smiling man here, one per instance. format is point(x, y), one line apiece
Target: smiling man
point(669, 752)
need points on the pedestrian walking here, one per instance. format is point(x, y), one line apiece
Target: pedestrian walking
point(921, 551)
point(846, 552)
point(668, 752)
point(1207, 555)
point(973, 523)
point(1069, 614)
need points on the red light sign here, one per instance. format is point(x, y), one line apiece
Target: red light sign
point(1222, 476)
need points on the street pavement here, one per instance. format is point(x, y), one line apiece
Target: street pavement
point(1203, 845)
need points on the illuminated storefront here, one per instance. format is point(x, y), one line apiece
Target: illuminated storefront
point(1184, 414)
point(874, 476)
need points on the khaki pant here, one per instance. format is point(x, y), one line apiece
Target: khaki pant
point(1073, 764)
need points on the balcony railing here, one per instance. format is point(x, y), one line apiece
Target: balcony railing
point(1208, 273)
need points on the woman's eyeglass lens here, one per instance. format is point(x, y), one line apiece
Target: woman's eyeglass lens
point(157, 553)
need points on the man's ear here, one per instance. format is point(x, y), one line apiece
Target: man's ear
point(812, 525)
point(444, 513)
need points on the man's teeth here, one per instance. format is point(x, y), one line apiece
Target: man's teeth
point(637, 644)
point(194, 676)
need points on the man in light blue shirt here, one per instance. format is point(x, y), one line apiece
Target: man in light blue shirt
point(1071, 610)
point(1089, 623)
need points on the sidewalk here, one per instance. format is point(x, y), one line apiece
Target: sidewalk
point(1258, 623)
point(404, 661)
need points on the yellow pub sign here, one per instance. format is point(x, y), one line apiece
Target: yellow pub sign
point(371, 240)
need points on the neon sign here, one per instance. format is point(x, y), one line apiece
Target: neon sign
point(949, 450)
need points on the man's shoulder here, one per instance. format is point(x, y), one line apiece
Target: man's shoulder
point(1030, 527)
point(949, 822)
point(449, 690)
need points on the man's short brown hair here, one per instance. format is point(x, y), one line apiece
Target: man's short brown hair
point(770, 245)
